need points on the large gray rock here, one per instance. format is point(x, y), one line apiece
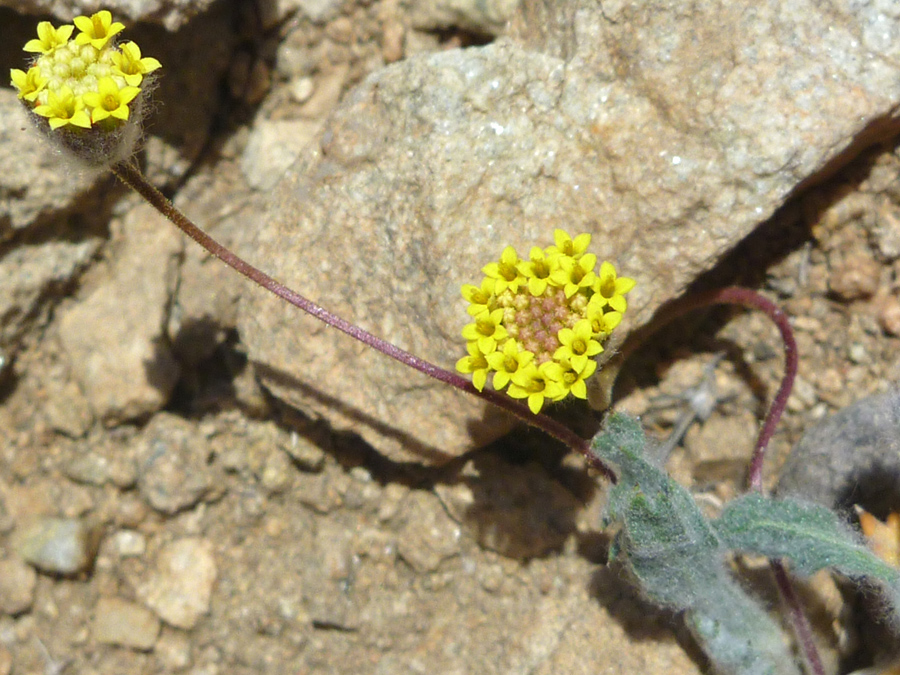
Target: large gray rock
point(851, 457)
point(667, 134)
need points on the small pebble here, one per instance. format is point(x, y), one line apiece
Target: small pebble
point(306, 455)
point(17, 582)
point(276, 473)
point(123, 473)
point(173, 649)
point(88, 468)
point(889, 316)
point(491, 577)
point(392, 497)
point(721, 446)
point(340, 30)
point(803, 396)
point(57, 545)
point(180, 588)
point(130, 544)
point(173, 471)
point(857, 353)
point(301, 89)
point(274, 527)
point(131, 511)
point(123, 623)
point(392, 41)
point(855, 278)
point(807, 324)
point(74, 501)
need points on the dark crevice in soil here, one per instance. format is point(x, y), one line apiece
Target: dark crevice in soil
point(87, 218)
point(206, 383)
point(457, 37)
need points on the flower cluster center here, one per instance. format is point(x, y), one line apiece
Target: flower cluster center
point(539, 322)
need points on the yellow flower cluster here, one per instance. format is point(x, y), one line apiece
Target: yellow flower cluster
point(85, 81)
point(538, 322)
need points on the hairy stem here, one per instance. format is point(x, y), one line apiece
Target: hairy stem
point(800, 623)
point(748, 298)
point(744, 297)
point(131, 176)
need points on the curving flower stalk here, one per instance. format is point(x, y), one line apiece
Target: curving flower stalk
point(130, 175)
point(538, 323)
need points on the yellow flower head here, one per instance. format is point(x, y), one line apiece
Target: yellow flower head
point(86, 85)
point(487, 331)
point(507, 362)
point(505, 272)
point(575, 273)
point(538, 384)
point(474, 363)
point(63, 109)
point(573, 379)
point(540, 322)
point(565, 245)
point(577, 345)
point(610, 289)
point(479, 297)
point(537, 271)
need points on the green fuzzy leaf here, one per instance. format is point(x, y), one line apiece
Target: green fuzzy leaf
point(678, 559)
point(809, 536)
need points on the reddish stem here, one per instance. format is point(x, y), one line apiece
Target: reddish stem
point(798, 619)
point(133, 178)
point(747, 298)
point(744, 297)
